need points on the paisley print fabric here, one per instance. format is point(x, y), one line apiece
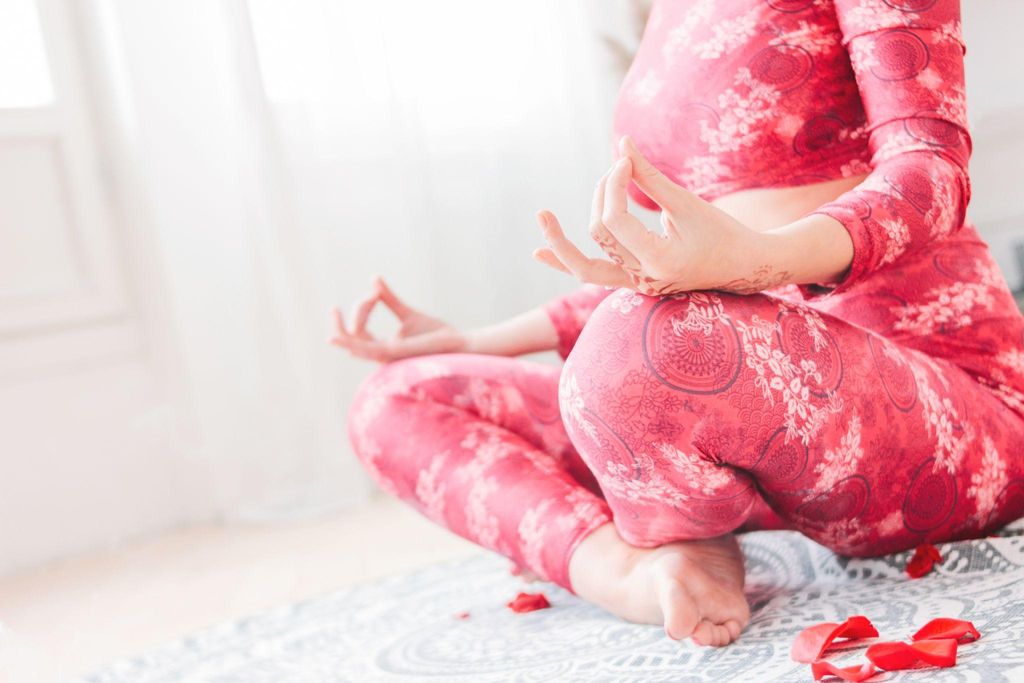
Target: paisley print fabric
point(872, 416)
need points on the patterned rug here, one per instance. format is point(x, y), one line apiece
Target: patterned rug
point(404, 628)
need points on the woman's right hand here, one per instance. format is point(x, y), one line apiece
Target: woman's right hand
point(419, 334)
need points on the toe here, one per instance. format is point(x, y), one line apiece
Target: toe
point(710, 634)
point(677, 608)
point(734, 628)
point(704, 634)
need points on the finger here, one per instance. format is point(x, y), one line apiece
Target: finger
point(648, 178)
point(361, 316)
point(391, 300)
point(396, 348)
point(586, 269)
point(624, 226)
point(370, 349)
point(600, 234)
point(548, 258)
point(578, 263)
point(339, 323)
point(597, 204)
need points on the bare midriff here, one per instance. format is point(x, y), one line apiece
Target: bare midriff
point(764, 208)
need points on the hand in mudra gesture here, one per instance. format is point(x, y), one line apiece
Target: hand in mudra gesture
point(701, 246)
point(419, 334)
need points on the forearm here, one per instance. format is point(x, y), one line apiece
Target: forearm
point(527, 332)
point(813, 249)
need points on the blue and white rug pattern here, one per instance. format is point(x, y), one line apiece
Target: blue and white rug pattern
point(404, 628)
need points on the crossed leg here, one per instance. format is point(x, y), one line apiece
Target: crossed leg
point(691, 408)
point(477, 444)
point(688, 418)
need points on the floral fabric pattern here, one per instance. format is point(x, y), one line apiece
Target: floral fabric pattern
point(728, 96)
point(862, 443)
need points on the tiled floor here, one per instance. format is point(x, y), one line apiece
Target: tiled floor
point(70, 618)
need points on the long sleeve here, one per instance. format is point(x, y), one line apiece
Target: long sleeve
point(570, 312)
point(907, 56)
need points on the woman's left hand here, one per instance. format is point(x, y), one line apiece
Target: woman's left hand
point(702, 247)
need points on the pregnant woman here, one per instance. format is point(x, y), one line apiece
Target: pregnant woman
point(817, 340)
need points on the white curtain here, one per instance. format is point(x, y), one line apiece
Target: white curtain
point(420, 138)
point(284, 152)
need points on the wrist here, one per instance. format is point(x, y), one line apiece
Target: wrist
point(470, 341)
point(527, 332)
point(756, 261)
point(815, 248)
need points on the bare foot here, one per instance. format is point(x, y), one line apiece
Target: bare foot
point(693, 588)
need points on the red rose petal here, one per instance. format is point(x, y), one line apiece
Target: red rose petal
point(462, 615)
point(923, 560)
point(944, 627)
point(528, 602)
point(814, 640)
point(822, 668)
point(939, 652)
point(892, 656)
point(897, 656)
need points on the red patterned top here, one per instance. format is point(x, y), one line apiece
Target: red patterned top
point(725, 95)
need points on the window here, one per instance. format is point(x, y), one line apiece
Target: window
point(24, 72)
point(59, 273)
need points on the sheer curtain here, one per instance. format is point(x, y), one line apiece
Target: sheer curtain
point(417, 140)
point(420, 138)
point(279, 154)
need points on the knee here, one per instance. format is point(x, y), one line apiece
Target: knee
point(611, 334)
point(372, 405)
point(690, 344)
point(382, 400)
point(642, 395)
point(634, 360)
point(608, 348)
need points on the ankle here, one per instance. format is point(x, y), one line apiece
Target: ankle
point(601, 558)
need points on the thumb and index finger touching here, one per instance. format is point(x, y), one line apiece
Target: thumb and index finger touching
point(382, 293)
point(660, 188)
point(388, 297)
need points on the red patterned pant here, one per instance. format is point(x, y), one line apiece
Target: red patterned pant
point(871, 421)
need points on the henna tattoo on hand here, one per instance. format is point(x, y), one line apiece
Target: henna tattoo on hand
point(763, 278)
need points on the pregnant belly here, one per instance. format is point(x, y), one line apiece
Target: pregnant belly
point(764, 208)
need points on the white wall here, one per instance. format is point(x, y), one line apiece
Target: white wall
point(995, 90)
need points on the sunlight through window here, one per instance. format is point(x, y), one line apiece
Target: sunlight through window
point(24, 73)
